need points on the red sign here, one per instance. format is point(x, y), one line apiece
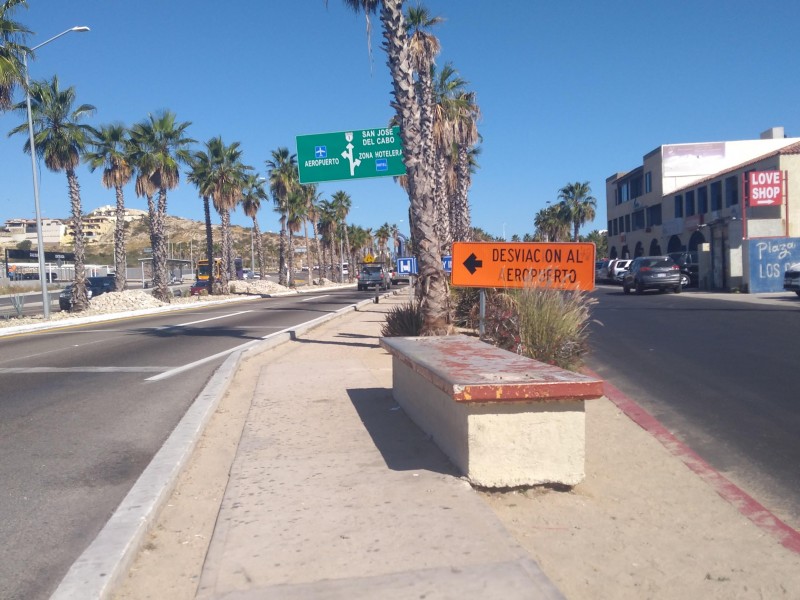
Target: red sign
point(766, 188)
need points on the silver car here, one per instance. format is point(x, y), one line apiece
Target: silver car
point(652, 273)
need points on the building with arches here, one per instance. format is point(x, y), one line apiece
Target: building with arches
point(735, 205)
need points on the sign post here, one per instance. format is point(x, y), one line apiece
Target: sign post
point(355, 154)
point(558, 265)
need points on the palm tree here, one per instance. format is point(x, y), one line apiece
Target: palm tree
point(200, 175)
point(160, 147)
point(283, 178)
point(432, 291)
point(226, 181)
point(12, 69)
point(382, 234)
point(61, 139)
point(252, 197)
point(111, 151)
point(341, 205)
point(579, 203)
point(550, 224)
point(465, 118)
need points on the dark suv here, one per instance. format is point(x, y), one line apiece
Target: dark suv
point(652, 272)
point(372, 275)
point(687, 263)
point(95, 286)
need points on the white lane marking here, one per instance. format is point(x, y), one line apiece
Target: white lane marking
point(314, 298)
point(241, 312)
point(202, 361)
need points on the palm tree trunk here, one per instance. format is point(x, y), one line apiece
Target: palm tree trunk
point(209, 243)
point(80, 300)
point(346, 251)
point(316, 249)
point(224, 272)
point(282, 253)
point(463, 220)
point(259, 248)
point(308, 252)
point(290, 259)
point(159, 241)
point(120, 258)
point(432, 290)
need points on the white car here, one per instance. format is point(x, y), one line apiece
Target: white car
point(791, 279)
point(618, 268)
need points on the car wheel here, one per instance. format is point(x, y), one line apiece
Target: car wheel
point(626, 289)
point(678, 288)
point(685, 281)
point(639, 287)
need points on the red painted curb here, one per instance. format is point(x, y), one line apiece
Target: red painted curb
point(741, 500)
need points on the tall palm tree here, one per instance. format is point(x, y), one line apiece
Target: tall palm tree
point(465, 118)
point(200, 175)
point(227, 180)
point(432, 291)
point(12, 69)
point(283, 178)
point(341, 205)
point(253, 195)
point(111, 151)
point(580, 204)
point(61, 139)
point(161, 146)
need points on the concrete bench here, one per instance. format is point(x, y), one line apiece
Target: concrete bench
point(503, 419)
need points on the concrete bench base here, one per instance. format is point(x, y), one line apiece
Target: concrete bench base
point(504, 420)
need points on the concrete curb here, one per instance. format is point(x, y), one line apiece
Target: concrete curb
point(103, 565)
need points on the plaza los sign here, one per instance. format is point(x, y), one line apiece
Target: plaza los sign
point(766, 188)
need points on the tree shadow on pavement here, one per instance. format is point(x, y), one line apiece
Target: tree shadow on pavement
point(403, 445)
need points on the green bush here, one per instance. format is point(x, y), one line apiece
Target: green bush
point(403, 321)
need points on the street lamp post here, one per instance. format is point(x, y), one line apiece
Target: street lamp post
point(43, 276)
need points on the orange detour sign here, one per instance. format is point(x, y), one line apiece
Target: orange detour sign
point(559, 265)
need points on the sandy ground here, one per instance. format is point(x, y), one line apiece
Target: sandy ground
point(641, 525)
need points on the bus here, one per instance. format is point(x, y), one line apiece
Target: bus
point(203, 270)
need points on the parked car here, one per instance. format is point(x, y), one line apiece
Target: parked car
point(200, 286)
point(687, 262)
point(791, 279)
point(617, 268)
point(372, 275)
point(652, 273)
point(601, 270)
point(95, 286)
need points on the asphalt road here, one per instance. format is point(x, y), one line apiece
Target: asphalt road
point(81, 417)
point(721, 374)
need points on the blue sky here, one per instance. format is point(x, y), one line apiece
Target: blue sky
point(574, 90)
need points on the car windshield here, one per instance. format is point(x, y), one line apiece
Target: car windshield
point(371, 270)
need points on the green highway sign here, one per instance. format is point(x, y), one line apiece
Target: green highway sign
point(355, 154)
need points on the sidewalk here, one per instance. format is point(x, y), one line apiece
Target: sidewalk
point(334, 493)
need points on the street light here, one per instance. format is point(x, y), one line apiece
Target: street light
point(43, 277)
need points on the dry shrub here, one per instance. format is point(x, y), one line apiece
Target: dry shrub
point(553, 325)
point(404, 320)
